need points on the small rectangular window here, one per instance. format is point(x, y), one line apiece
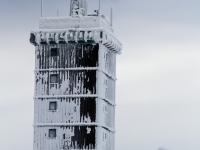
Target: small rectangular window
point(105, 109)
point(52, 133)
point(104, 136)
point(53, 106)
point(53, 78)
point(54, 52)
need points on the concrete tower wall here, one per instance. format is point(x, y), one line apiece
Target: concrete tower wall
point(74, 138)
point(74, 110)
point(75, 75)
point(84, 94)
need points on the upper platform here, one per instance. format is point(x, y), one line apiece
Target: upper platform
point(85, 29)
point(75, 22)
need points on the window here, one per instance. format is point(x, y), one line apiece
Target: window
point(52, 133)
point(54, 52)
point(105, 109)
point(104, 136)
point(106, 83)
point(53, 78)
point(53, 106)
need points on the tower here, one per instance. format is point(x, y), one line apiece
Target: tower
point(75, 75)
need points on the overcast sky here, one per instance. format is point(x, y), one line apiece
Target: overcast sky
point(158, 101)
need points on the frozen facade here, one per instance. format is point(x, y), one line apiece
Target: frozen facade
point(75, 75)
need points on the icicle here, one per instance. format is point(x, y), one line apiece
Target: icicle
point(90, 35)
point(81, 35)
point(66, 36)
point(38, 39)
point(43, 37)
point(57, 37)
point(71, 35)
point(76, 36)
point(96, 37)
point(86, 36)
point(47, 36)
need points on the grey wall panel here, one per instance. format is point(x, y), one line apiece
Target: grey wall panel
point(69, 110)
point(69, 56)
point(69, 82)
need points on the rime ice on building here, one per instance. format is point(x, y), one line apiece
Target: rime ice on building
point(75, 75)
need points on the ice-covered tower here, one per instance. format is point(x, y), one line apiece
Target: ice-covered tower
point(75, 75)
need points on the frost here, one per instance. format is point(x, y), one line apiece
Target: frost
point(88, 130)
point(85, 67)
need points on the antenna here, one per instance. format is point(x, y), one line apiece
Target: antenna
point(70, 11)
point(78, 7)
point(111, 16)
point(86, 6)
point(57, 12)
point(99, 5)
point(41, 8)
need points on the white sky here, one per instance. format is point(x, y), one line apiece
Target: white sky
point(158, 102)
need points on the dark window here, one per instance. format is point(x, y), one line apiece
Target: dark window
point(53, 78)
point(52, 133)
point(53, 106)
point(54, 51)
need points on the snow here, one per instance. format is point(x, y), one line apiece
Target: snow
point(96, 28)
point(87, 29)
point(72, 34)
point(75, 124)
point(75, 22)
point(74, 96)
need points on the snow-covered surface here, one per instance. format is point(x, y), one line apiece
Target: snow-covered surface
point(75, 29)
point(85, 91)
point(105, 139)
point(97, 35)
point(75, 22)
point(72, 94)
point(75, 124)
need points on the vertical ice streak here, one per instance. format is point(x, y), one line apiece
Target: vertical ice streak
point(75, 75)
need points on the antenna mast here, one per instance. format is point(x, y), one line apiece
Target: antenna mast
point(78, 8)
point(57, 12)
point(41, 8)
point(99, 5)
point(70, 11)
point(111, 16)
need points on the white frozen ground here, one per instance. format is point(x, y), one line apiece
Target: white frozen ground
point(158, 73)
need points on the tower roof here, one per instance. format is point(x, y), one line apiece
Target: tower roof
point(77, 28)
point(75, 22)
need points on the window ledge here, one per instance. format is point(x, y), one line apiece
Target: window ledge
point(53, 110)
point(52, 138)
